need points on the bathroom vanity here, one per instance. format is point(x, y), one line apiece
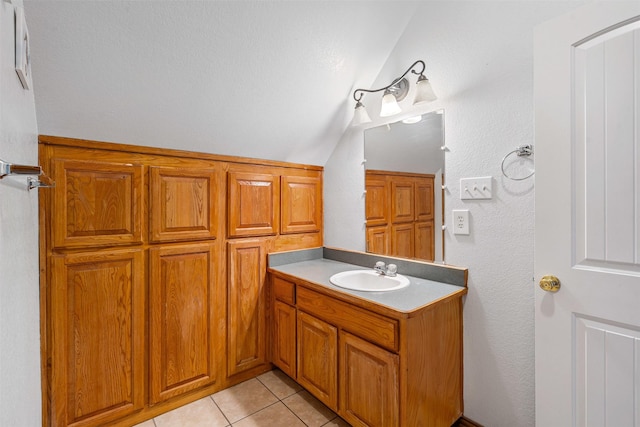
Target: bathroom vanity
point(376, 358)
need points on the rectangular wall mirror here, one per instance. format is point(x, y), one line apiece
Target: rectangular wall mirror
point(404, 174)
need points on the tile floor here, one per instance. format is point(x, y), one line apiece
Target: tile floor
point(270, 400)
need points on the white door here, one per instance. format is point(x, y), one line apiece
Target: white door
point(587, 216)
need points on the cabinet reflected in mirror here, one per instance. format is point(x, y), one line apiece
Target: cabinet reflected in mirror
point(404, 174)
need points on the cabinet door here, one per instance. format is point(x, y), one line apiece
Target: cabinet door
point(182, 308)
point(424, 240)
point(402, 200)
point(284, 337)
point(318, 358)
point(424, 199)
point(98, 337)
point(369, 388)
point(246, 319)
point(96, 204)
point(376, 200)
point(182, 204)
point(402, 240)
point(301, 204)
point(253, 204)
point(378, 240)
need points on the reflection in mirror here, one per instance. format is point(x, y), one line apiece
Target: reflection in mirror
point(404, 174)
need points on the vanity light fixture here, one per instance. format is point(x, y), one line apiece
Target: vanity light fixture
point(393, 93)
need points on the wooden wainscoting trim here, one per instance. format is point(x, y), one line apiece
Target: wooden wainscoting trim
point(466, 422)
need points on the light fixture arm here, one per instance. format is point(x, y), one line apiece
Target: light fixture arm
point(393, 83)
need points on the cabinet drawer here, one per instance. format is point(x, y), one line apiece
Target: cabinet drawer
point(284, 290)
point(375, 328)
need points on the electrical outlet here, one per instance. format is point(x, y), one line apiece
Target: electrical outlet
point(460, 221)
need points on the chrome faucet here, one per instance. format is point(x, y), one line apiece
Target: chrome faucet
point(386, 270)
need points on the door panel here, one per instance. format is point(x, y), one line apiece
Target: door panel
point(246, 305)
point(98, 336)
point(96, 204)
point(586, 73)
point(182, 204)
point(318, 358)
point(253, 204)
point(301, 210)
point(183, 338)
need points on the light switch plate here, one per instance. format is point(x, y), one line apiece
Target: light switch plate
point(476, 188)
point(460, 221)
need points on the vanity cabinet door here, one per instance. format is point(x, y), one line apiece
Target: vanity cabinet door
point(182, 205)
point(284, 337)
point(301, 204)
point(246, 299)
point(318, 358)
point(369, 388)
point(182, 311)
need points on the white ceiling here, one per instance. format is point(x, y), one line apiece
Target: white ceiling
point(263, 79)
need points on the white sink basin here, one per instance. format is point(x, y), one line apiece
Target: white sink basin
point(368, 280)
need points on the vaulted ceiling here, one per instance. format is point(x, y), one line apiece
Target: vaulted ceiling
point(263, 79)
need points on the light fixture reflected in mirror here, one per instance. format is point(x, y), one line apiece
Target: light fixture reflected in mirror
point(394, 93)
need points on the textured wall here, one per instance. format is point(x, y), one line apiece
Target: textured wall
point(479, 59)
point(19, 286)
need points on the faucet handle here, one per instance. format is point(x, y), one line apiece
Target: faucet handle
point(380, 265)
point(392, 269)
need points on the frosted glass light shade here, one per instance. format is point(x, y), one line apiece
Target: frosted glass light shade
point(389, 105)
point(424, 91)
point(360, 115)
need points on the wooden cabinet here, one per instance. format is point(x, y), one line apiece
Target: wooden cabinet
point(246, 311)
point(369, 383)
point(301, 203)
point(318, 358)
point(183, 306)
point(253, 204)
point(153, 275)
point(97, 204)
point(98, 323)
point(182, 204)
point(373, 365)
point(400, 214)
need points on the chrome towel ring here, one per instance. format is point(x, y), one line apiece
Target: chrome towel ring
point(521, 151)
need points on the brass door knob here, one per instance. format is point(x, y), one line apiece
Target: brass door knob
point(550, 283)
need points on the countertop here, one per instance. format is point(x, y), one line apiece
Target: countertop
point(419, 293)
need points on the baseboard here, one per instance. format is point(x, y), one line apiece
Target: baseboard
point(466, 422)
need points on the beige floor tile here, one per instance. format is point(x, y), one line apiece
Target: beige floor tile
point(272, 416)
point(309, 409)
point(148, 423)
point(337, 422)
point(201, 413)
point(279, 383)
point(243, 399)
